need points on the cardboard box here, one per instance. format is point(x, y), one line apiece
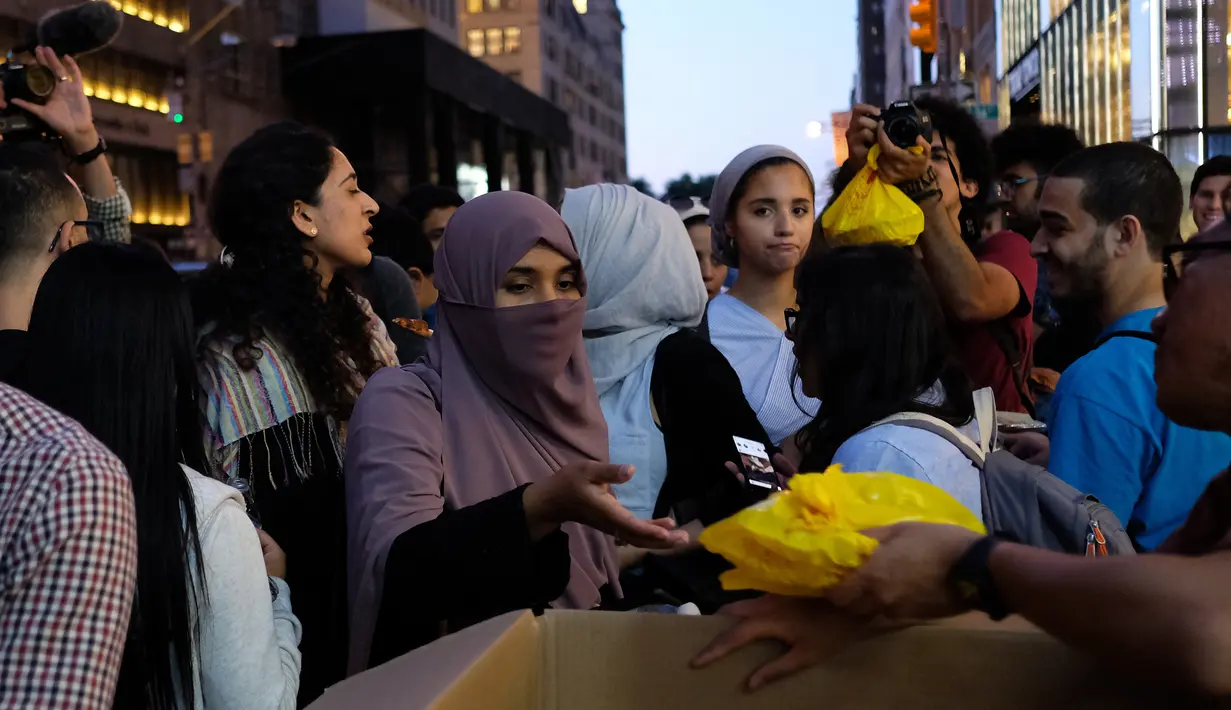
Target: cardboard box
point(630, 661)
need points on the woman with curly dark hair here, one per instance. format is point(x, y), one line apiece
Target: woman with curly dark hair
point(286, 346)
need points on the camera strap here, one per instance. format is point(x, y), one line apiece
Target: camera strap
point(967, 222)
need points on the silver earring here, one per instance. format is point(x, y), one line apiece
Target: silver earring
point(313, 232)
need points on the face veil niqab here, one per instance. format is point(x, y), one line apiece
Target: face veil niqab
point(515, 395)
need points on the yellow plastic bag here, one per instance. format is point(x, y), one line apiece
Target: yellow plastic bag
point(869, 212)
point(802, 541)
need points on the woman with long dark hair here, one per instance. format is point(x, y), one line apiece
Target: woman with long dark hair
point(111, 344)
point(872, 341)
point(286, 346)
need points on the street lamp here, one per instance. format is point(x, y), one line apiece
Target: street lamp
point(813, 130)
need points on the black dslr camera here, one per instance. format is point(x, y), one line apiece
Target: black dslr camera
point(905, 123)
point(29, 82)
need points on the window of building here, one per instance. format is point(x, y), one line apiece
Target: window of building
point(474, 42)
point(512, 40)
point(474, 7)
point(593, 150)
point(493, 5)
point(551, 8)
point(495, 41)
point(550, 44)
point(553, 90)
point(593, 116)
point(570, 100)
point(451, 11)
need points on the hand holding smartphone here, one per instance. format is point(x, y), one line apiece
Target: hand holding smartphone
point(756, 466)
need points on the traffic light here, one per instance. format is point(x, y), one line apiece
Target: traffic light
point(923, 13)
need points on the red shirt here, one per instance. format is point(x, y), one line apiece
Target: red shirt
point(983, 358)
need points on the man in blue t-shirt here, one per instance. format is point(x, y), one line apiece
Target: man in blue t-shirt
point(1107, 212)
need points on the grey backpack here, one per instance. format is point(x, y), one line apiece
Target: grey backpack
point(1023, 502)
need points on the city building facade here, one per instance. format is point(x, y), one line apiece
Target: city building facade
point(570, 53)
point(1175, 93)
point(870, 72)
point(187, 80)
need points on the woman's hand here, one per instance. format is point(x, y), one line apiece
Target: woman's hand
point(783, 467)
point(275, 558)
point(813, 630)
point(581, 493)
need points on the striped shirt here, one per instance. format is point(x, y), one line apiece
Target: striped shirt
point(238, 403)
point(68, 560)
point(765, 362)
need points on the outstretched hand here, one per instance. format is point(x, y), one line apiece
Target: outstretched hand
point(812, 629)
point(581, 493)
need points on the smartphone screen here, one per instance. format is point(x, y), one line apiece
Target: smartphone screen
point(755, 464)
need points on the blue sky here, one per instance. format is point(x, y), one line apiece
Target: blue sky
point(705, 79)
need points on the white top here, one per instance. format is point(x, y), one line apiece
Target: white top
point(765, 362)
point(248, 650)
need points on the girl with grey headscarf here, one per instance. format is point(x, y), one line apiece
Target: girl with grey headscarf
point(671, 400)
point(761, 215)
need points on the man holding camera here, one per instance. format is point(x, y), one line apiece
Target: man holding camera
point(44, 211)
point(986, 283)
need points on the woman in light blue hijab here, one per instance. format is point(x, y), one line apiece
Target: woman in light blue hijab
point(671, 400)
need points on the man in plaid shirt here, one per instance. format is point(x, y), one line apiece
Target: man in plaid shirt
point(68, 560)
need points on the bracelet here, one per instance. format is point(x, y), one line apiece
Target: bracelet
point(916, 189)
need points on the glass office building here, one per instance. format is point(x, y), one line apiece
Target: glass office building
point(1147, 70)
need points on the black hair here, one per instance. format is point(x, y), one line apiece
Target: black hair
point(270, 286)
point(1041, 145)
point(111, 344)
point(422, 199)
point(1218, 166)
point(36, 198)
point(399, 236)
point(1120, 179)
point(974, 156)
point(874, 331)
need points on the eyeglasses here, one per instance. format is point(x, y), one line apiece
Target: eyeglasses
point(93, 227)
point(1177, 257)
point(791, 316)
point(1011, 183)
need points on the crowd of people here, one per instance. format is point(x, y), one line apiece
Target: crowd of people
point(369, 425)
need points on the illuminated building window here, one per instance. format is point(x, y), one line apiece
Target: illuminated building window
point(171, 14)
point(474, 42)
point(512, 40)
point(495, 41)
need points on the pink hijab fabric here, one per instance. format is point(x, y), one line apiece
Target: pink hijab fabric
point(505, 398)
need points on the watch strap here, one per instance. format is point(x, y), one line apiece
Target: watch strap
point(90, 155)
point(971, 580)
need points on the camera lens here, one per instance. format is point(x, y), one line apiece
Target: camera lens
point(902, 130)
point(40, 81)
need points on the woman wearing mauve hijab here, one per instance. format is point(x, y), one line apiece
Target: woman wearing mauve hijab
point(477, 480)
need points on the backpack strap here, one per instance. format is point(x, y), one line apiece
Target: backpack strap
point(976, 451)
point(1139, 334)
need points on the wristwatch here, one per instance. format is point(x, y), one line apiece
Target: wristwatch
point(971, 581)
point(90, 155)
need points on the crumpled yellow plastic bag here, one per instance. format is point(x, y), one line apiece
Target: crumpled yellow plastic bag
point(870, 212)
point(804, 540)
